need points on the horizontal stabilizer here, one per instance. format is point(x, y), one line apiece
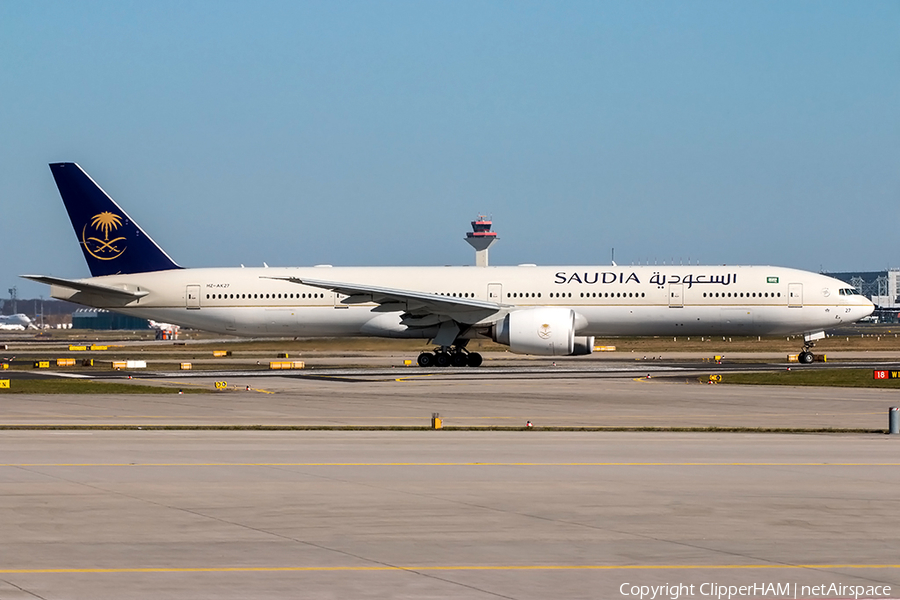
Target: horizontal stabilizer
point(88, 288)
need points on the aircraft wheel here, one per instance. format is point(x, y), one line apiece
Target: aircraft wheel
point(460, 359)
point(426, 359)
point(806, 357)
point(442, 359)
point(474, 359)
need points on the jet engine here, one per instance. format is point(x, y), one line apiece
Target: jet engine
point(543, 331)
point(584, 344)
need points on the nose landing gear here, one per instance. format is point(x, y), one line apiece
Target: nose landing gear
point(806, 357)
point(446, 356)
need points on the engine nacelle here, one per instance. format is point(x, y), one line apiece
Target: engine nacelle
point(542, 331)
point(584, 344)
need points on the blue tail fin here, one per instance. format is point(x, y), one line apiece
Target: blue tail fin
point(112, 243)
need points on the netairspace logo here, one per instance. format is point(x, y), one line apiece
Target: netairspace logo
point(757, 590)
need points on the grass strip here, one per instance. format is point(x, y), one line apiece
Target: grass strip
point(857, 378)
point(81, 386)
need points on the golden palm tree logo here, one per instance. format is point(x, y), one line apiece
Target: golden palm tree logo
point(105, 222)
point(105, 249)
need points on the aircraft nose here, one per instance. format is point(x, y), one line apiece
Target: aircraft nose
point(868, 309)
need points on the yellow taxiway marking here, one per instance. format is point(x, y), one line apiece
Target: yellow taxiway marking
point(464, 464)
point(413, 377)
point(442, 568)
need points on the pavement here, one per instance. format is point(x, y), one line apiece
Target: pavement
point(442, 514)
point(464, 400)
point(530, 514)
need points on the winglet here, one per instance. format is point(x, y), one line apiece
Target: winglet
point(112, 243)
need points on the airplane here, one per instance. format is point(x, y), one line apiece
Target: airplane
point(16, 322)
point(547, 311)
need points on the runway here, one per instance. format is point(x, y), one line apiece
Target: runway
point(409, 399)
point(439, 514)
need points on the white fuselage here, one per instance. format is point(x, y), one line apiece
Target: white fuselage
point(16, 322)
point(609, 301)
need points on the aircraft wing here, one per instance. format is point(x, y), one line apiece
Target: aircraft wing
point(88, 288)
point(392, 299)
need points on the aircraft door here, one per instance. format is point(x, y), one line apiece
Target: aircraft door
point(192, 296)
point(495, 292)
point(795, 295)
point(676, 295)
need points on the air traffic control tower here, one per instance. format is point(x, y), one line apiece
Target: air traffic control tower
point(481, 237)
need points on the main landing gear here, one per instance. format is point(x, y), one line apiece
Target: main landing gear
point(449, 356)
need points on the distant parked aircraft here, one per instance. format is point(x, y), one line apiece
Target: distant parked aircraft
point(16, 322)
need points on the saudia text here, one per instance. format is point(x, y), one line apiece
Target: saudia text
point(610, 277)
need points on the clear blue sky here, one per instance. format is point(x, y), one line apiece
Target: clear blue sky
point(371, 133)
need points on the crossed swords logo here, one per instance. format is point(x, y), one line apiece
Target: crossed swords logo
point(105, 249)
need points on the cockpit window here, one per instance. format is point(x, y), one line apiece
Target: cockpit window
point(849, 292)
